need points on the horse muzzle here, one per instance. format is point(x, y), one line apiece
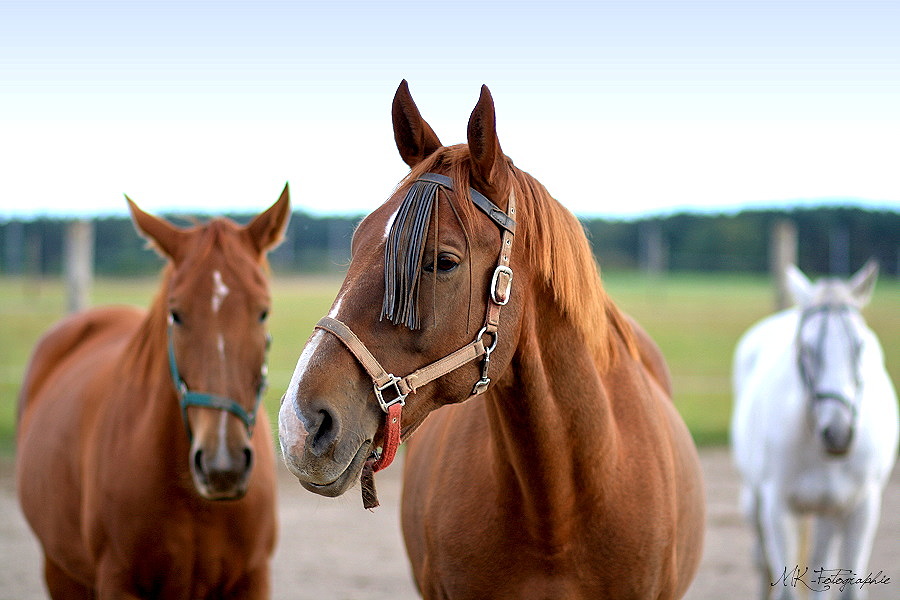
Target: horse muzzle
point(835, 416)
point(221, 474)
point(315, 454)
point(837, 440)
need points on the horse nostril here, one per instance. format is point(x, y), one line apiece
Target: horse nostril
point(325, 432)
point(198, 461)
point(837, 440)
point(248, 459)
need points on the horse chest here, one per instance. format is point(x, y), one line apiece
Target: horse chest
point(823, 486)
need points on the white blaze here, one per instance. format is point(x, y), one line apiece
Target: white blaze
point(220, 345)
point(220, 290)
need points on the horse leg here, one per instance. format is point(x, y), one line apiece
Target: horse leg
point(111, 582)
point(61, 586)
point(858, 537)
point(750, 500)
point(253, 586)
point(778, 528)
point(825, 534)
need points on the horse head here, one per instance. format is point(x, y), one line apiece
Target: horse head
point(829, 346)
point(429, 272)
point(213, 306)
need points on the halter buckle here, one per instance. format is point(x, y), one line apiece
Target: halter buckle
point(392, 382)
point(499, 297)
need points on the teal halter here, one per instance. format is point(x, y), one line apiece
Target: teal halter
point(187, 397)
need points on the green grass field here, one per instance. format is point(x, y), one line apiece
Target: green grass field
point(696, 320)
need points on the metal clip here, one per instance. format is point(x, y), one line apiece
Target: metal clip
point(500, 299)
point(482, 384)
point(401, 397)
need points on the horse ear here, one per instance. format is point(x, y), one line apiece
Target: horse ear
point(164, 236)
point(798, 285)
point(484, 147)
point(862, 284)
point(415, 138)
point(267, 230)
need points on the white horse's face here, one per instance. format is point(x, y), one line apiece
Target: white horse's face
point(830, 347)
point(829, 350)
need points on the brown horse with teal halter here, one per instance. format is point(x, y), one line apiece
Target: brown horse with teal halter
point(548, 459)
point(141, 465)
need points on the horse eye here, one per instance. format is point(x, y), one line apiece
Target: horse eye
point(445, 264)
point(175, 317)
point(263, 316)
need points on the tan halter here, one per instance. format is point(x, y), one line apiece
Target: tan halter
point(383, 381)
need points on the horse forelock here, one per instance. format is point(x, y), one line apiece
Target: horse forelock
point(555, 246)
point(403, 254)
point(832, 291)
point(221, 237)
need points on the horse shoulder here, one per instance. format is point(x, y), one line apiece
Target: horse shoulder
point(57, 407)
point(879, 414)
point(65, 340)
point(651, 356)
point(667, 479)
point(772, 334)
point(768, 406)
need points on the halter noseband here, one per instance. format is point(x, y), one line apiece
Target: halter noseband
point(187, 397)
point(401, 387)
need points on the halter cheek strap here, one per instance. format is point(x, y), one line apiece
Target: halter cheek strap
point(187, 397)
point(400, 387)
point(807, 376)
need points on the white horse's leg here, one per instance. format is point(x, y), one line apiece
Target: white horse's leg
point(779, 532)
point(826, 532)
point(859, 535)
point(750, 504)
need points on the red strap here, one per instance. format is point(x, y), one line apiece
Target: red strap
point(388, 452)
point(391, 438)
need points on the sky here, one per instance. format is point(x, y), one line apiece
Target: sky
point(621, 108)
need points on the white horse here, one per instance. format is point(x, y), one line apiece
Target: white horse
point(814, 434)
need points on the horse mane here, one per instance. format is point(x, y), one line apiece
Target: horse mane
point(556, 246)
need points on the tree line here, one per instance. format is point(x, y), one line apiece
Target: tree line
point(829, 240)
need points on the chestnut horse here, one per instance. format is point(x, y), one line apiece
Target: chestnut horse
point(142, 466)
point(568, 472)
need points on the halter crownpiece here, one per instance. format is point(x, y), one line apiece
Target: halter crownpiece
point(406, 238)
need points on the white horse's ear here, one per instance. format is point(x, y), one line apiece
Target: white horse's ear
point(862, 284)
point(798, 285)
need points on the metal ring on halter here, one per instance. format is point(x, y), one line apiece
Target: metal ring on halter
point(487, 351)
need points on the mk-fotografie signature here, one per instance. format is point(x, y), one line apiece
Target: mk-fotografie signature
point(821, 579)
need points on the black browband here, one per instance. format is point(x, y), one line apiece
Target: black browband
point(480, 200)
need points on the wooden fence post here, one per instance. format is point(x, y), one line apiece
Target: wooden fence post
point(79, 264)
point(653, 249)
point(782, 252)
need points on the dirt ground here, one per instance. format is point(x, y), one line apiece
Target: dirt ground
point(332, 549)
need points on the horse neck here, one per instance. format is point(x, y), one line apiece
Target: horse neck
point(150, 400)
point(552, 426)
